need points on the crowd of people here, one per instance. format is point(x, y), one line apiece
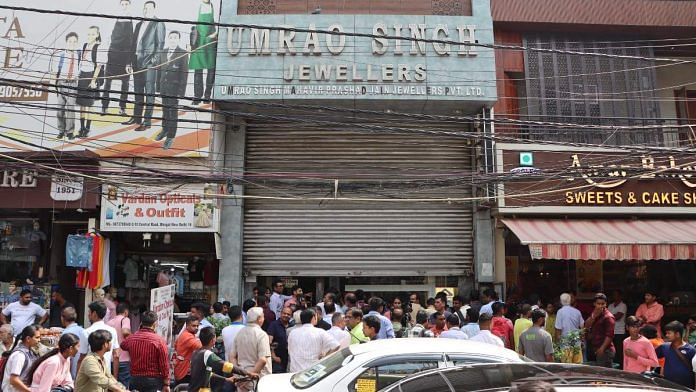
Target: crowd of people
point(226, 347)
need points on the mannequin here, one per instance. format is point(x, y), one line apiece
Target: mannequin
point(35, 249)
point(98, 294)
point(110, 301)
point(196, 274)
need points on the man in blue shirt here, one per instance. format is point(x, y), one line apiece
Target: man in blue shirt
point(386, 330)
point(68, 318)
point(678, 355)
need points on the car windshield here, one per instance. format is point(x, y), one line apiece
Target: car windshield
point(321, 369)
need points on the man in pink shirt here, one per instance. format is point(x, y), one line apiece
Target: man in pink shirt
point(639, 354)
point(121, 323)
point(650, 312)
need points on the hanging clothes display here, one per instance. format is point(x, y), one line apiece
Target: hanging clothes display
point(97, 272)
point(78, 251)
point(106, 270)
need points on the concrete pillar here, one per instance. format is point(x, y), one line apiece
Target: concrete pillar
point(499, 256)
point(484, 250)
point(232, 223)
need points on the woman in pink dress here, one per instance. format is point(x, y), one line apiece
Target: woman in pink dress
point(53, 369)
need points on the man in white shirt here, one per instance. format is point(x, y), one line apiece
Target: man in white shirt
point(97, 311)
point(618, 308)
point(277, 298)
point(489, 297)
point(307, 344)
point(251, 350)
point(485, 336)
point(229, 333)
point(453, 331)
point(338, 330)
point(23, 313)
point(568, 319)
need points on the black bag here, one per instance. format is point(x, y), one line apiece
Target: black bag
point(61, 389)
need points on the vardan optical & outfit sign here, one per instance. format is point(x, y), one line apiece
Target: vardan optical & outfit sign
point(275, 61)
point(186, 209)
point(115, 86)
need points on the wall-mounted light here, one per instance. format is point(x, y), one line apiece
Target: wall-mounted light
point(167, 239)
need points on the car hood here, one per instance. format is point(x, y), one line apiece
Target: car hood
point(276, 383)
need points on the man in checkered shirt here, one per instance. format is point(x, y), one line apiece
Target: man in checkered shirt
point(420, 330)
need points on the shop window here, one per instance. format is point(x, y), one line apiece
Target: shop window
point(378, 377)
point(17, 250)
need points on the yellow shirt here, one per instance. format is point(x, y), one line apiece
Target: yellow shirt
point(357, 335)
point(521, 325)
point(551, 326)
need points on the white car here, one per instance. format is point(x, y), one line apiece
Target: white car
point(505, 377)
point(375, 365)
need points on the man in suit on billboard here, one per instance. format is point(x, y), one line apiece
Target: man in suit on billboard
point(149, 42)
point(173, 78)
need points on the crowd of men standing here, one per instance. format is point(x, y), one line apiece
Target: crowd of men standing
point(275, 333)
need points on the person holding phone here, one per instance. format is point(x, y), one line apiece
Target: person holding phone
point(600, 333)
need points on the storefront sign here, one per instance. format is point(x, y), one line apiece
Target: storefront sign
point(39, 55)
point(25, 189)
point(162, 303)
point(185, 209)
point(66, 188)
point(320, 57)
point(601, 179)
point(19, 179)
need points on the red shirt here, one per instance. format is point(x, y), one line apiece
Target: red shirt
point(602, 327)
point(185, 346)
point(149, 354)
point(437, 331)
point(503, 328)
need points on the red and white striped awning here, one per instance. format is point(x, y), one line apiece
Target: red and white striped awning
point(607, 239)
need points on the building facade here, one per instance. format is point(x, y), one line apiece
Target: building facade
point(330, 139)
point(596, 192)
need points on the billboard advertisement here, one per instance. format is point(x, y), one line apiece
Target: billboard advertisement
point(107, 83)
point(357, 57)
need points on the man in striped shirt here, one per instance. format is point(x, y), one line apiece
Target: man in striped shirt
point(149, 357)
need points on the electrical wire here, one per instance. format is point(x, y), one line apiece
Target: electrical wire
point(331, 32)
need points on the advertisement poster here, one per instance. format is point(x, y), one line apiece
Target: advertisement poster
point(162, 303)
point(111, 85)
point(185, 208)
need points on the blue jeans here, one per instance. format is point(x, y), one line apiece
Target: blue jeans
point(124, 375)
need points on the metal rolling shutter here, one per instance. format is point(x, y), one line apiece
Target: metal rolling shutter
point(342, 238)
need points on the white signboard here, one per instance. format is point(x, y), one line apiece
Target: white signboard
point(186, 208)
point(162, 303)
point(66, 188)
